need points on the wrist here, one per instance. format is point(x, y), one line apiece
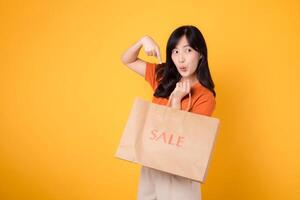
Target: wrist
point(176, 99)
point(176, 102)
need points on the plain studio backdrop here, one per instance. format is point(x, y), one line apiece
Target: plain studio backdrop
point(65, 95)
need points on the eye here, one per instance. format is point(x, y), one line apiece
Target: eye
point(189, 50)
point(175, 51)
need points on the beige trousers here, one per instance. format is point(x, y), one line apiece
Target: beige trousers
point(159, 185)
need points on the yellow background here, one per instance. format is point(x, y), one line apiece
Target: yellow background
point(65, 96)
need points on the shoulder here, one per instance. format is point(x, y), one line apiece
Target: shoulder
point(204, 102)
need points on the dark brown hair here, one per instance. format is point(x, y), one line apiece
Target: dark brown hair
point(167, 74)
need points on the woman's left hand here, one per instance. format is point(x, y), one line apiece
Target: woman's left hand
point(182, 89)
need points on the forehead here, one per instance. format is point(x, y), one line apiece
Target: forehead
point(182, 42)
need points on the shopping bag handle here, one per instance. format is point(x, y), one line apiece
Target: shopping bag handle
point(189, 105)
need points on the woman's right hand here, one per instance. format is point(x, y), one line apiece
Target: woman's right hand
point(151, 48)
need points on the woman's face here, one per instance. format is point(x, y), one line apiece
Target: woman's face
point(185, 58)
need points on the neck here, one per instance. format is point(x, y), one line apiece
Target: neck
point(193, 79)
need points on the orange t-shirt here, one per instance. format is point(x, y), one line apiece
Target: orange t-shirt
point(202, 99)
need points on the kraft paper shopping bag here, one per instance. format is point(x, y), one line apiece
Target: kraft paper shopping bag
point(168, 139)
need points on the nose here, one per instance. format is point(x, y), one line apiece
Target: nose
point(181, 57)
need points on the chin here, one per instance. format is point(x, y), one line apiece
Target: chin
point(185, 75)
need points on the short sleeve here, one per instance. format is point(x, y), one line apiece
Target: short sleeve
point(204, 105)
point(150, 74)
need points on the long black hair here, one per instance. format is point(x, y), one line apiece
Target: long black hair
point(167, 74)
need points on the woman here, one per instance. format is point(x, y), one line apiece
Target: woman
point(185, 72)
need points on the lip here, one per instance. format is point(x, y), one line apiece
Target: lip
point(183, 68)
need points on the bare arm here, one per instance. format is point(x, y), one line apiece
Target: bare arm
point(176, 103)
point(130, 56)
point(131, 60)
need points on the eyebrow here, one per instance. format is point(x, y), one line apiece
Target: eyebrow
point(184, 45)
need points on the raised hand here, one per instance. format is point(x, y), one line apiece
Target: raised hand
point(151, 48)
